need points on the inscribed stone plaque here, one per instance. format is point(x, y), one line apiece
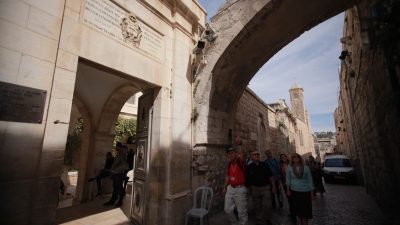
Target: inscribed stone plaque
point(115, 22)
point(21, 104)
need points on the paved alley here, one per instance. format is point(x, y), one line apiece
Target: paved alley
point(341, 205)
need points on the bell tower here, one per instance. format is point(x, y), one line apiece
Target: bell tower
point(297, 102)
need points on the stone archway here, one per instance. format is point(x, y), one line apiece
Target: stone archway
point(100, 93)
point(249, 34)
point(82, 191)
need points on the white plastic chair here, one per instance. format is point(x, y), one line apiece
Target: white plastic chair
point(201, 204)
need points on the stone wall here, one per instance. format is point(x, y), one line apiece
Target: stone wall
point(368, 116)
point(54, 46)
point(209, 161)
point(251, 115)
point(208, 168)
point(28, 57)
point(282, 129)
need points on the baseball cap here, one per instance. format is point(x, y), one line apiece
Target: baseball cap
point(230, 149)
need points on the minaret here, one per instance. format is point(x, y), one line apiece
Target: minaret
point(297, 102)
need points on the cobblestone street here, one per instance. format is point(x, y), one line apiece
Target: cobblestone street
point(341, 205)
point(346, 204)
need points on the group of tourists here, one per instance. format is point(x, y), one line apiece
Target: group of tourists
point(117, 168)
point(266, 181)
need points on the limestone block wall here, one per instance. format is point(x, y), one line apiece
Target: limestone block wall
point(281, 131)
point(306, 145)
point(29, 38)
point(208, 168)
point(251, 113)
point(41, 44)
point(288, 142)
point(369, 101)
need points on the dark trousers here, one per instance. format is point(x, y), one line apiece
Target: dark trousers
point(102, 174)
point(261, 198)
point(118, 189)
point(289, 198)
point(278, 194)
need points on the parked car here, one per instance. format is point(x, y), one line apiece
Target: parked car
point(338, 168)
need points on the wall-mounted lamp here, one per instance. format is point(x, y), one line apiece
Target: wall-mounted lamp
point(201, 44)
point(209, 33)
point(344, 54)
point(199, 47)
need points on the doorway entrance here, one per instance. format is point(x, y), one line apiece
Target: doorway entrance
point(100, 98)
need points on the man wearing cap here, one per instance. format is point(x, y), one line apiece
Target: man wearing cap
point(235, 189)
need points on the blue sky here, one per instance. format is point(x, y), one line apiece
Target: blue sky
point(311, 60)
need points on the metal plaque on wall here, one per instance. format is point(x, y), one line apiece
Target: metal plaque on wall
point(21, 104)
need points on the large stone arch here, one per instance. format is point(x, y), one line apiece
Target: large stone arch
point(249, 34)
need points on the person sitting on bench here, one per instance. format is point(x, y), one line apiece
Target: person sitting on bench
point(105, 172)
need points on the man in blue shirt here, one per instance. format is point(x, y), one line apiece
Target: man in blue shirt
point(274, 167)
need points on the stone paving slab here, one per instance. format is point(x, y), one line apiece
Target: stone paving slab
point(341, 205)
point(94, 213)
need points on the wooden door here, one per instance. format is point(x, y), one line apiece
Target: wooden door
point(140, 169)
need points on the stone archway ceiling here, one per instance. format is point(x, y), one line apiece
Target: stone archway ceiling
point(249, 34)
point(97, 85)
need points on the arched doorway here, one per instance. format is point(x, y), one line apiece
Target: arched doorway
point(100, 94)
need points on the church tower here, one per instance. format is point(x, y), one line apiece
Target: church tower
point(297, 102)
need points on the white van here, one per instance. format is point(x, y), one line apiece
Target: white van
point(338, 168)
